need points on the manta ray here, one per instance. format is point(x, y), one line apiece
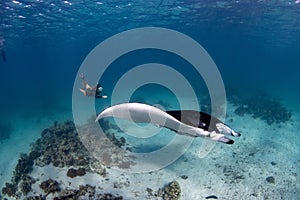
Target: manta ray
point(185, 122)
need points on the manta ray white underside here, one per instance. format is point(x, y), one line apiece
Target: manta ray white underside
point(185, 122)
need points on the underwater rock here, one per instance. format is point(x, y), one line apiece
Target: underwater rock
point(270, 179)
point(9, 189)
point(24, 166)
point(25, 187)
point(122, 140)
point(184, 177)
point(98, 168)
point(105, 146)
point(149, 190)
point(40, 197)
point(106, 125)
point(26, 183)
point(87, 190)
point(117, 185)
point(118, 142)
point(273, 163)
point(76, 172)
point(232, 174)
point(261, 106)
point(67, 194)
point(61, 146)
point(171, 191)
point(108, 196)
point(34, 155)
point(49, 186)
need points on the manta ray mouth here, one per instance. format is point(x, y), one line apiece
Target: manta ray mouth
point(186, 122)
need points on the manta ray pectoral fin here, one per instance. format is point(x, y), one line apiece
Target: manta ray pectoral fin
point(220, 138)
point(226, 140)
point(185, 122)
point(223, 128)
point(236, 134)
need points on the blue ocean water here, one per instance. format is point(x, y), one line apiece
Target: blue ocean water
point(255, 45)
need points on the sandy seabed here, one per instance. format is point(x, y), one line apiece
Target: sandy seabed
point(262, 164)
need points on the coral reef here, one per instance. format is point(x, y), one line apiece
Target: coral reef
point(171, 191)
point(26, 183)
point(40, 197)
point(9, 189)
point(118, 142)
point(106, 125)
point(24, 166)
point(50, 186)
point(59, 145)
point(76, 172)
point(85, 192)
point(259, 105)
point(102, 145)
point(108, 196)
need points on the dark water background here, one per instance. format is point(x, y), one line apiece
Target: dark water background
point(255, 44)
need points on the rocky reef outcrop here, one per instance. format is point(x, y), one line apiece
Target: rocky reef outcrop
point(171, 191)
point(76, 172)
point(50, 186)
point(60, 146)
point(255, 103)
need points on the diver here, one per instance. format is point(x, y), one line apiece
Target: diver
point(88, 90)
point(2, 41)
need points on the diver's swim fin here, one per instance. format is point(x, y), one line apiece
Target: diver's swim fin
point(3, 55)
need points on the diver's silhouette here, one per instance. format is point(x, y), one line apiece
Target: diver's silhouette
point(88, 90)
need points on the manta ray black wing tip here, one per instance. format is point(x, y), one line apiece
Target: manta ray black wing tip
point(226, 140)
point(230, 142)
point(237, 134)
